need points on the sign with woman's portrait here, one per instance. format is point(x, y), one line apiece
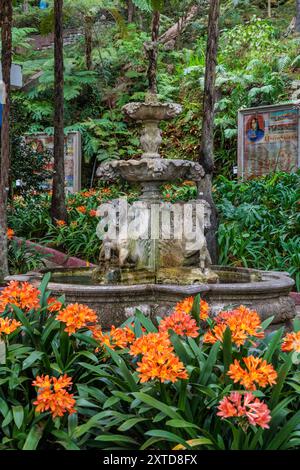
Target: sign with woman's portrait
point(72, 158)
point(255, 128)
point(268, 140)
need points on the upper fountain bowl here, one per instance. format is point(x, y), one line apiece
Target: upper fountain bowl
point(152, 110)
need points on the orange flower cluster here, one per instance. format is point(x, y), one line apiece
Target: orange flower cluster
point(106, 191)
point(8, 326)
point(181, 323)
point(76, 316)
point(116, 338)
point(53, 396)
point(242, 322)
point(187, 304)
point(60, 223)
point(93, 213)
point(291, 342)
point(81, 209)
point(257, 371)
point(89, 193)
point(10, 233)
point(158, 358)
point(245, 406)
point(21, 294)
point(54, 305)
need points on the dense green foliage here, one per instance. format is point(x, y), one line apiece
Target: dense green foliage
point(256, 65)
point(29, 167)
point(260, 223)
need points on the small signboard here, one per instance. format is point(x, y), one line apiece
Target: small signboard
point(16, 77)
point(42, 142)
point(268, 140)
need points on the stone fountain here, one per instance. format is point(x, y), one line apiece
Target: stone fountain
point(162, 255)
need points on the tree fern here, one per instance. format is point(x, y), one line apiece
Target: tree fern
point(296, 62)
point(149, 5)
point(265, 90)
point(283, 62)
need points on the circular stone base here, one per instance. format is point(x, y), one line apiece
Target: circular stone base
point(265, 291)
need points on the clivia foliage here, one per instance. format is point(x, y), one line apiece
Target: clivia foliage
point(188, 381)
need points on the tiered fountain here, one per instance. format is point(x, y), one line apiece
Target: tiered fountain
point(155, 270)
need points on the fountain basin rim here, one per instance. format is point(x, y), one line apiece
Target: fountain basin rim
point(271, 281)
point(154, 111)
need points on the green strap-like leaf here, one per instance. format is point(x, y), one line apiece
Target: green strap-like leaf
point(34, 437)
point(18, 414)
point(167, 410)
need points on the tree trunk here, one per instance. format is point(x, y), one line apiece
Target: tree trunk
point(269, 8)
point(297, 26)
point(88, 25)
point(130, 11)
point(172, 33)
point(152, 53)
point(207, 140)
point(6, 59)
point(58, 206)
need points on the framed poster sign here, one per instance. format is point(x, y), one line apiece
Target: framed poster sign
point(268, 140)
point(42, 142)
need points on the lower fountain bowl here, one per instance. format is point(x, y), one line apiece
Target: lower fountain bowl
point(265, 291)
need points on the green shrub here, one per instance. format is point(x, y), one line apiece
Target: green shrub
point(260, 223)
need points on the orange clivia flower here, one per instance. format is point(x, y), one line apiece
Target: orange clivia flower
point(246, 409)
point(8, 326)
point(98, 335)
point(257, 371)
point(158, 358)
point(60, 223)
point(291, 342)
point(106, 190)
point(54, 305)
point(116, 338)
point(62, 382)
point(81, 209)
point(186, 306)
point(42, 381)
point(10, 233)
point(93, 213)
point(214, 335)
point(20, 294)
point(152, 342)
point(165, 367)
point(52, 395)
point(181, 323)
point(76, 316)
point(89, 193)
point(242, 322)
